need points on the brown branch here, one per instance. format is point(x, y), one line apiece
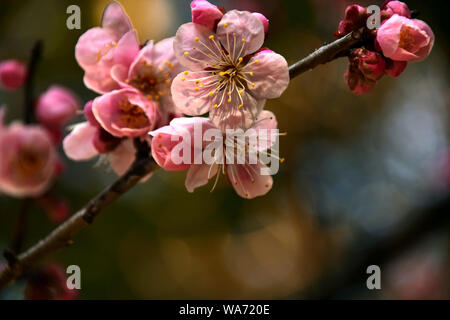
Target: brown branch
point(36, 54)
point(21, 226)
point(62, 235)
point(326, 53)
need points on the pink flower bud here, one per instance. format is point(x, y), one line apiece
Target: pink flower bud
point(395, 68)
point(356, 14)
point(12, 74)
point(89, 115)
point(357, 83)
point(264, 21)
point(403, 39)
point(205, 13)
point(355, 18)
point(397, 7)
point(371, 64)
point(56, 107)
point(104, 142)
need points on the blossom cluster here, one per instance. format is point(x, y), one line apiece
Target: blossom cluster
point(388, 49)
point(215, 64)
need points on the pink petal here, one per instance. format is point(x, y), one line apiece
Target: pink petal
point(100, 81)
point(266, 122)
point(247, 180)
point(246, 26)
point(116, 20)
point(93, 45)
point(270, 74)
point(122, 157)
point(127, 49)
point(78, 144)
point(231, 115)
point(199, 174)
point(185, 41)
point(205, 13)
point(189, 100)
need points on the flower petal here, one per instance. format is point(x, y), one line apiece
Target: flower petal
point(270, 74)
point(93, 46)
point(206, 52)
point(78, 144)
point(122, 157)
point(189, 97)
point(116, 20)
point(199, 174)
point(248, 181)
point(127, 49)
point(241, 33)
point(240, 111)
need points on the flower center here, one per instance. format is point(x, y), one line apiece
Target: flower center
point(132, 116)
point(226, 79)
point(407, 39)
point(154, 85)
point(29, 162)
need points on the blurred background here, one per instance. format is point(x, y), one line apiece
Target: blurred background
point(358, 171)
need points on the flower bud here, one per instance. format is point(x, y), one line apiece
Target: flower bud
point(395, 68)
point(13, 74)
point(396, 7)
point(56, 107)
point(403, 39)
point(371, 64)
point(357, 83)
point(205, 13)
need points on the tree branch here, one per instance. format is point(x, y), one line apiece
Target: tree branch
point(36, 54)
point(144, 165)
point(326, 53)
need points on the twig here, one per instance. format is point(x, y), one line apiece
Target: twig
point(144, 165)
point(325, 54)
point(21, 226)
point(36, 53)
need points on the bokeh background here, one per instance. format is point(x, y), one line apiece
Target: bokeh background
point(357, 170)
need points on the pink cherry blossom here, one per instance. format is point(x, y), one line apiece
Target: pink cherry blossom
point(29, 161)
point(403, 39)
point(151, 73)
point(126, 113)
point(13, 74)
point(226, 75)
point(101, 48)
point(56, 107)
point(205, 13)
point(246, 178)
